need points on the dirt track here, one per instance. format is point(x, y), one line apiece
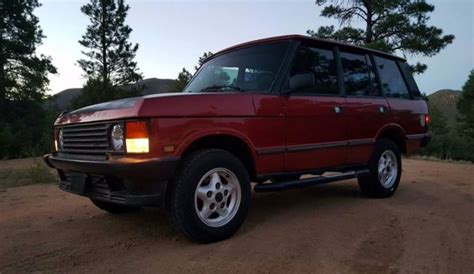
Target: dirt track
point(428, 226)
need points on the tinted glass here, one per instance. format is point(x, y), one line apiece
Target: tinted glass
point(318, 68)
point(407, 72)
point(393, 84)
point(248, 69)
point(357, 75)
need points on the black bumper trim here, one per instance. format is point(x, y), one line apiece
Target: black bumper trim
point(123, 166)
point(143, 181)
point(425, 140)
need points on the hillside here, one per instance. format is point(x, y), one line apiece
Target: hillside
point(445, 100)
point(64, 98)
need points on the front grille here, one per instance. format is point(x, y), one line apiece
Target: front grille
point(85, 139)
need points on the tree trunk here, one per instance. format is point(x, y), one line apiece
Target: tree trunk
point(3, 88)
point(369, 30)
point(105, 76)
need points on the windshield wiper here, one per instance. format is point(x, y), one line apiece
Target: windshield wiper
point(220, 88)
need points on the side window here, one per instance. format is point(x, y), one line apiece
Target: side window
point(314, 72)
point(358, 75)
point(393, 84)
point(412, 86)
point(255, 79)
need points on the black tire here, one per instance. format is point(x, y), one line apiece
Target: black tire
point(113, 208)
point(182, 209)
point(370, 184)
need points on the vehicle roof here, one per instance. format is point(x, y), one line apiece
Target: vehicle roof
point(304, 38)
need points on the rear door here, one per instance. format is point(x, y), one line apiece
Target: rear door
point(316, 127)
point(407, 109)
point(367, 110)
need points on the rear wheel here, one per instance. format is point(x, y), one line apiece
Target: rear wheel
point(210, 196)
point(113, 208)
point(385, 171)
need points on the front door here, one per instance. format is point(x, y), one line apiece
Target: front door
point(316, 127)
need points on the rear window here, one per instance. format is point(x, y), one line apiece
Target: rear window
point(358, 75)
point(393, 84)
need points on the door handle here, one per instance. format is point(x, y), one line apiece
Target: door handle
point(382, 110)
point(338, 110)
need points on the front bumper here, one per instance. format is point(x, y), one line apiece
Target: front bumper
point(122, 180)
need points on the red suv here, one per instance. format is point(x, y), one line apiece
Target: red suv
point(266, 111)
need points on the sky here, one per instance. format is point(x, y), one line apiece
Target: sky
point(173, 34)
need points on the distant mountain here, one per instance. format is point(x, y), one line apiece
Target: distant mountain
point(64, 98)
point(446, 100)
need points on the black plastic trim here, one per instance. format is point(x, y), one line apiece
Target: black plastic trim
point(343, 168)
point(309, 182)
point(307, 147)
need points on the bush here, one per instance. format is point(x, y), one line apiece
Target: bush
point(38, 173)
point(25, 130)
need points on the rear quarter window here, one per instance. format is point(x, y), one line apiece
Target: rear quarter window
point(408, 74)
point(393, 83)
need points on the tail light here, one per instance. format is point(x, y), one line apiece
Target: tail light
point(137, 137)
point(424, 120)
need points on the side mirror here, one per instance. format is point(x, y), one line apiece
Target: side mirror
point(301, 81)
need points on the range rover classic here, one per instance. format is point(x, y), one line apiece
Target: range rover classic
point(260, 114)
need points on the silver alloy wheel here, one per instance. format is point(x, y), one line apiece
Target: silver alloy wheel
point(217, 197)
point(388, 169)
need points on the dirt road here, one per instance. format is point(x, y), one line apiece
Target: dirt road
point(428, 226)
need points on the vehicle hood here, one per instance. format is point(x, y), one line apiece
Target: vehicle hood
point(164, 105)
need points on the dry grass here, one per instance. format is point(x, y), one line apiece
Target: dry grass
point(21, 172)
point(435, 159)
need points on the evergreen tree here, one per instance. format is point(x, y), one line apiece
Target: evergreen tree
point(386, 25)
point(202, 59)
point(25, 126)
point(183, 78)
point(110, 56)
point(466, 108)
point(23, 73)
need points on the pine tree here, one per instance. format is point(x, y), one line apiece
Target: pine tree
point(466, 108)
point(183, 78)
point(387, 25)
point(202, 59)
point(23, 73)
point(110, 56)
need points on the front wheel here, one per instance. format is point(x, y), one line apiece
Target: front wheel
point(385, 168)
point(210, 196)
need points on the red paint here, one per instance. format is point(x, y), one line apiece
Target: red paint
point(301, 132)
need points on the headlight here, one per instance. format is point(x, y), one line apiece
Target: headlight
point(117, 137)
point(137, 145)
point(136, 139)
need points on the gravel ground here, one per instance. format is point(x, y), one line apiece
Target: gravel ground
point(428, 226)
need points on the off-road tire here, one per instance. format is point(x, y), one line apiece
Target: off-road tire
point(370, 185)
point(181, 203)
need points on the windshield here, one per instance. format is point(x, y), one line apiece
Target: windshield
point(248, 69)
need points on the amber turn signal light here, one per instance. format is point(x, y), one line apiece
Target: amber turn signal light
point(136, 137)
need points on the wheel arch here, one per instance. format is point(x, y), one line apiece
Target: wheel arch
point(235, 144)
point(395, 133)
